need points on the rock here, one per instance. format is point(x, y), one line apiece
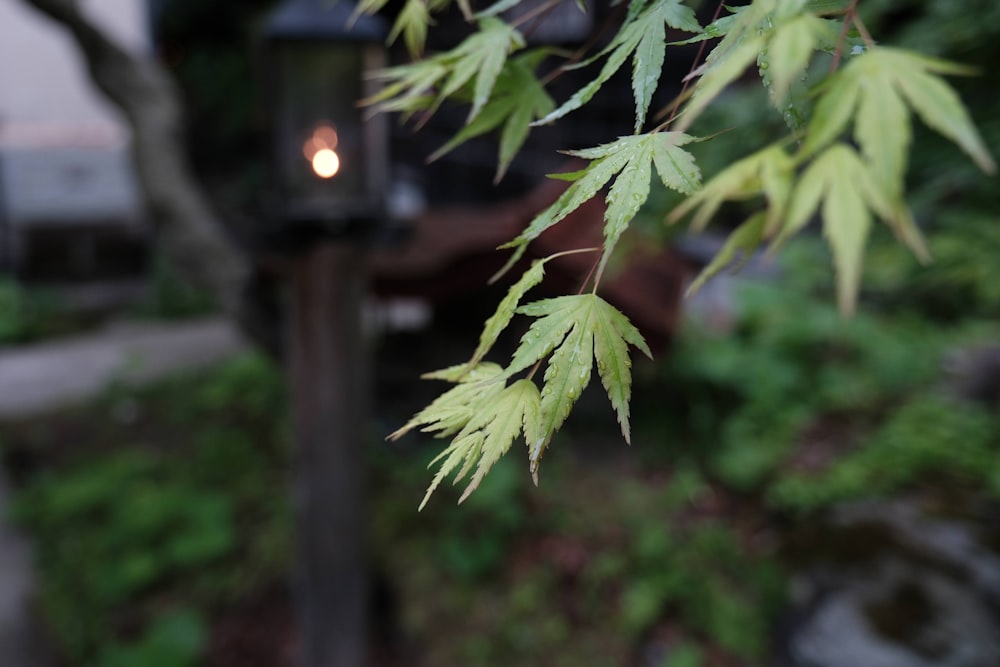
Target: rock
point(887, 586)
point(974, 373)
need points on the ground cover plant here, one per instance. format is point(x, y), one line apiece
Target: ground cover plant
point(152, 529)
point(151, 509)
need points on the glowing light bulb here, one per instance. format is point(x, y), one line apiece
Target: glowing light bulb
point(326, 163)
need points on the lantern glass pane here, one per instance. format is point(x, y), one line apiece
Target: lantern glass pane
point(320, 139)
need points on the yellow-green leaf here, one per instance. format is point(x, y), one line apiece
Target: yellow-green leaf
point(644, 37)
point(841, 185)
point(677, 168)
point(789, 51)
point(517, 99)
point(941, 109)
point(505, 310)
point(631, 156)
point(412, 21)
point(882, 130)
point(768, 172)
point(577, 329)
point(832, 112)
point(628, 193)
point(591, 180)
point(716, 78)
point(451, 411)
point(745, 239)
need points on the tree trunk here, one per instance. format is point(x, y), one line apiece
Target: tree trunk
point(192, 236)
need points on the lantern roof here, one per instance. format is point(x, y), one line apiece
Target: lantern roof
point(326, 20)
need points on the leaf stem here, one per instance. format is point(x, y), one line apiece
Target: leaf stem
point(590, 273)
point(863, 29)
point(577, 251)
point(849, 16)
point(583, 50)
point(540, 10)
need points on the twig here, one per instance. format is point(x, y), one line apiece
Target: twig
point(849, 15)
point(590, 273)
point(863, 29)
point(583, 50)
point(541, 9)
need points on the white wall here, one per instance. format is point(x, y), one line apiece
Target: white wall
point(45, 94)
point(64, 158)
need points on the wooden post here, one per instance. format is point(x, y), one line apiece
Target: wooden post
point(329, 382)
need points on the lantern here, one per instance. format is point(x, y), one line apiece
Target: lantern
point(330, 165)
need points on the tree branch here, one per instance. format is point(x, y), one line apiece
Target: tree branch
point(192, 236)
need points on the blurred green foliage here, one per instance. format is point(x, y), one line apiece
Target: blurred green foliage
point(173, 639)
point(30, 314)
point(165, 528)
point(110, 531)
point(582, 570)
point(144, 532)
point(171, 296)
point(928, 439)
point(810, 408)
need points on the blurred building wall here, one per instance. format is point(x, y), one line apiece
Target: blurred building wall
point(64, 163)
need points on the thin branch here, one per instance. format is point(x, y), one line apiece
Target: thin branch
point(838, 53)
point(863, 29)
point(189, 231)
point(578, 55)
point(540, 11)
point(590, 273)
point(575, 251)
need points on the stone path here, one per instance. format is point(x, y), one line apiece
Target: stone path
point(39, 378)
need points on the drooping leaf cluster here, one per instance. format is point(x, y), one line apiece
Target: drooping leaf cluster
point(848, 102)
point(484, 415)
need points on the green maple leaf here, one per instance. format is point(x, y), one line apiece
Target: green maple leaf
point(744, 239)
point(577, 331)
point(412, 21)
point(627, 194)
point(780, 35)
point(767, 172)
point(647, 63)
point(631, 157)
point(789, 49)
point(488, 435)
point(518, 98)
point(408, 88)
point(842, 186)
point(478, 60)
point(452, 410)
point(827, 6)
point(644, 35)
point(877, 90)
point(738, 48)
point(497, 322)
point(498, 8)
point(481, 55)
